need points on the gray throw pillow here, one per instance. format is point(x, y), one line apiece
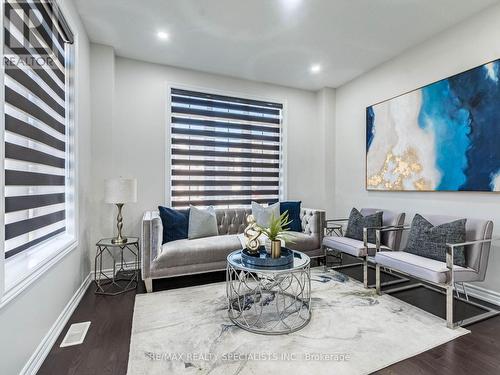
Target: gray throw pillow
point(357, 222)
point(202, 222)
point(430, 241)
point(263, 214)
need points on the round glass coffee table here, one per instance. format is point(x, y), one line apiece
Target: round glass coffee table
point(269, 300)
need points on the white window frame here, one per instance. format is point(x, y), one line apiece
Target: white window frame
point(21, 270)
point(283, 186)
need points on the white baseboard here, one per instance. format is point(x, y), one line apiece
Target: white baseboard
point(481, 293)
point(43, 349)
point(36, 360)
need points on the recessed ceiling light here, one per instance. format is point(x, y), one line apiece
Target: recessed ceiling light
point(315, 68)
point(291, 4)
point(162, 35)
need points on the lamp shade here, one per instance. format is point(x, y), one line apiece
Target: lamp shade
point(120, 190)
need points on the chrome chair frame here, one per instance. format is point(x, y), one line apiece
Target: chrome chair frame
point(449, 286)
point(365, 260)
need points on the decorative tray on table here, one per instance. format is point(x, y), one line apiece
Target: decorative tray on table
point(263, 259)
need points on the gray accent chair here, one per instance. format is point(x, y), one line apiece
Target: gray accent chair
point(389, 239)
point(444, 274)
point(188, 257)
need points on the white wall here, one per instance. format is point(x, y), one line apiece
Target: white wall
point(102, 87)
point(467, 45)
point(25, 320)
point(326, 112)
point(136, 140)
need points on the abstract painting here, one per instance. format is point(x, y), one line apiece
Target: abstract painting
point(442, 137)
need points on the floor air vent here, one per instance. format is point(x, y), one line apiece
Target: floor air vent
point(76, 334)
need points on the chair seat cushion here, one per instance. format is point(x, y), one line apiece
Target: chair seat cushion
point(303, 241)
point(349, 246)
point(423, 268)
point(197, 251)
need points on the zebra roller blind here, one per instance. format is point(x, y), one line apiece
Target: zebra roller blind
point(36, 163)
point(225, 151)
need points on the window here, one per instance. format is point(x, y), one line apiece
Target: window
point(38, 167)
point(225, 151)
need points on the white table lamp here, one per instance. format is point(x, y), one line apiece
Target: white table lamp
point(120, 191)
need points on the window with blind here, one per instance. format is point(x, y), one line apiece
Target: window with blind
point(37, 132)
point(225, 151)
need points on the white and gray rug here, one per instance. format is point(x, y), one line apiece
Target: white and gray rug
point(352, 331)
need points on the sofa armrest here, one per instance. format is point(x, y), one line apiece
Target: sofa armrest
point(313, 222)
point(151, 239)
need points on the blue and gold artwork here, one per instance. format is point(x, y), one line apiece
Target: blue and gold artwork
point(441, 137)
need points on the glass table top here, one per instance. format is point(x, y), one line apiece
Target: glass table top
point(300, 260)
point(107, 242)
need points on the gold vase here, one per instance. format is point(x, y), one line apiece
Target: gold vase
point(275, 249)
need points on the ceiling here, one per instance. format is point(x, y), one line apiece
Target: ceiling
point(274, 41)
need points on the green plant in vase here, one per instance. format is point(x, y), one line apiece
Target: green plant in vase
point(275, 233)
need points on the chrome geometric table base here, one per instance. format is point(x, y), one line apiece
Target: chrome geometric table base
point(121, 280)
point(269, 302)
point(338, 265)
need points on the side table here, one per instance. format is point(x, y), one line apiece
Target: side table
point(122, 280)
point(334, 228)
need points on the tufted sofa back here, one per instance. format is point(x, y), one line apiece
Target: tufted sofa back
point(232, 220)
point(312, 221)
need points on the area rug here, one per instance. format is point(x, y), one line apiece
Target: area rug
point(352, 331)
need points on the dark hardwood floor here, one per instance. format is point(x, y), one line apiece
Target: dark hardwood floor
point(105, 350)
point(106, 346)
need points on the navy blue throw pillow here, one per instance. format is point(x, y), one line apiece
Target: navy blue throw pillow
point(293, 209)
point(175, 224)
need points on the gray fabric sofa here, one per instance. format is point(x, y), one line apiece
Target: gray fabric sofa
point(187, 257)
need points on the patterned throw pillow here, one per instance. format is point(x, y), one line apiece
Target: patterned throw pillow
point(430, 241)
point(357, 222)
